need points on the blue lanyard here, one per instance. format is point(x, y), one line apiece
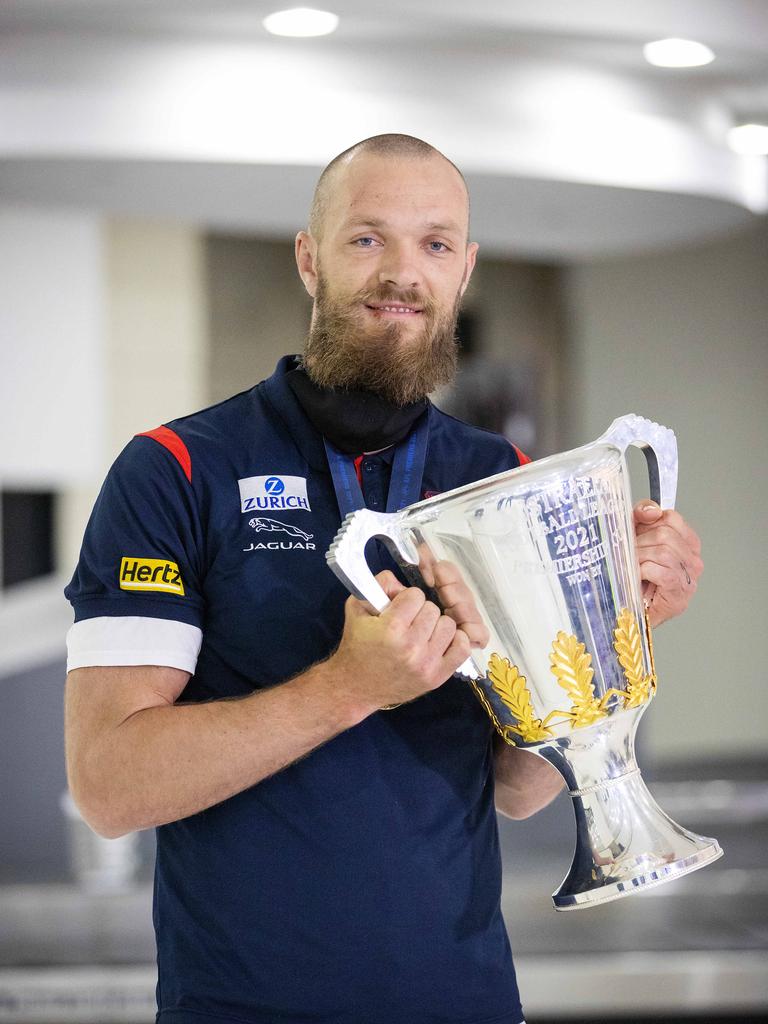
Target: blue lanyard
point(404, 483)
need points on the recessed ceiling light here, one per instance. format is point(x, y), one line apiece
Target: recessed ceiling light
point(749, 139)
point(301, 21)
point(677, 53)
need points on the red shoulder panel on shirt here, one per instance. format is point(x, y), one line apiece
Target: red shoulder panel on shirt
point(170, 439)
point(524, 460)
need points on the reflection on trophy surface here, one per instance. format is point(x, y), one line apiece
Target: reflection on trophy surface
point(547, 552)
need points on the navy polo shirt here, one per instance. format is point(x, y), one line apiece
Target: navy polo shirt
point(362, 884)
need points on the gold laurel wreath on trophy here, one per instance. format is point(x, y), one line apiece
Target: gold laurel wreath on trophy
point(571, 664)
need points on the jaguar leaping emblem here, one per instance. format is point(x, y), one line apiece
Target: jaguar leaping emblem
point(274, 525)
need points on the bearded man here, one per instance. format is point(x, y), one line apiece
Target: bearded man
point(321, 856)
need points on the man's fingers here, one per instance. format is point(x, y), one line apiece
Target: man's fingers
point(646, 511)
point(426, 564)
point(478, 633)
point(457, 652)
point(661, 534)
point(669, 553)
point(648, 591)
point(669, 579)
point(355, 609)
point(672, 557)
point(442, 634)
point(405, 602)
point(670, 523)
point(458, 602)
point(424, 624)
point(689, 536)
point(454, 594)
point(463, 611)
point(446, 573)
point(405, 606)
point(389, 583)
point(467, 617)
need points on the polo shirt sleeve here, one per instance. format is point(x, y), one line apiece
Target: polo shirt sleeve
point(136, 591)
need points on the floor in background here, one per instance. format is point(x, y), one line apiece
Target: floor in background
point(700, 1019)
point(699, 943)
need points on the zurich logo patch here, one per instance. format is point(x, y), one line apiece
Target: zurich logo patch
point(273, 492)
point(274, 485)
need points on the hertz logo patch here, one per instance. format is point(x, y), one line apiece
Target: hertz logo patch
point(150, 574)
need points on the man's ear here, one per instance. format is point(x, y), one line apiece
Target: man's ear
point(306, 261)
point(470, 265)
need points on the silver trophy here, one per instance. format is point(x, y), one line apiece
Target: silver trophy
point(548, 553)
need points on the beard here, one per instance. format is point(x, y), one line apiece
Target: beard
point(346, 351)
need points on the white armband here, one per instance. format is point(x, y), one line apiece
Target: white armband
point(133, 640)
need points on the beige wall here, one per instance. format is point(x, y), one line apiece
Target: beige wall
point(518, 306)
point(153, 349)
point(259, 311)
point(682, 338)
point(156, 326)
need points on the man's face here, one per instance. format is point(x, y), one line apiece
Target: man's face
point(387, 276)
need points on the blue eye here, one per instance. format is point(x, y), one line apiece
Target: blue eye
point(365, 243)
point(438, 247)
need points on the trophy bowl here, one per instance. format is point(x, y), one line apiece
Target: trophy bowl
point(548, 553)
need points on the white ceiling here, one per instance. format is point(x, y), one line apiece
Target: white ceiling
point(573, 146)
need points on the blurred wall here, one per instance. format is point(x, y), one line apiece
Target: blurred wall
point(682, 338)
point(518, 309)
point(156, 325)
point(153, 349)
point(51, 328)
point(259, 311)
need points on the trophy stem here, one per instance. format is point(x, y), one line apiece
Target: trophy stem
point(625, 843)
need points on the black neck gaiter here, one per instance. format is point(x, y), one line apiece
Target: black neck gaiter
point(354, 421)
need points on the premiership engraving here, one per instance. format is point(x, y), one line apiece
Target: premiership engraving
point(567, 517)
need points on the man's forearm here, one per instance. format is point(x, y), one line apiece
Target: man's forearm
point(136, 758)
point(169, 761)
point(525, 783)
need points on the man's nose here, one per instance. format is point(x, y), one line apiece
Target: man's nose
point(399, 268)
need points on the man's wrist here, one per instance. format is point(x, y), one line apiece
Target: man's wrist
point(325, 686)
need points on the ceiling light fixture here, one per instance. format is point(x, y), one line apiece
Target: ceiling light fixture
point(677, 53)
point(301, 22)
point(749, 139)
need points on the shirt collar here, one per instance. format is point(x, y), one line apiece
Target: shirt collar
point(287, 408)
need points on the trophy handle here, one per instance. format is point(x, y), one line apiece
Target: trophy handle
point(346, 558)
point(658, 444)
point(346, 555)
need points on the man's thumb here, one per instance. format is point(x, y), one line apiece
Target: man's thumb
point(647, 511)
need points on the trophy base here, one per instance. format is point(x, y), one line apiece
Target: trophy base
point(654, 875)
point(625, 843)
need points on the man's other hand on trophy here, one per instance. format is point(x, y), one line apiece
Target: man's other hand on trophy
point(669, 552)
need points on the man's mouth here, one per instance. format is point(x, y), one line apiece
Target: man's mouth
point(393, 308)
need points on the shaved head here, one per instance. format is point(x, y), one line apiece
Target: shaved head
point(389, 146)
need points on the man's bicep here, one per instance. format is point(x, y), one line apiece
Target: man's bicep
point(99, 699)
